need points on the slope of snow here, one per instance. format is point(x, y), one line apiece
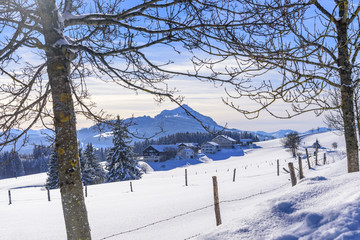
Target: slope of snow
point(258, 205)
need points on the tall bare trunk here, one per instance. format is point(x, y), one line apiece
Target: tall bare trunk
point(347, 89)
point(357, 113)
point(350, 129)
point(58, 68)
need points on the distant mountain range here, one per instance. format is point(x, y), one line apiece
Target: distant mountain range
point(167, 122)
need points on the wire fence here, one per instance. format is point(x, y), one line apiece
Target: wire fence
point(190, 212)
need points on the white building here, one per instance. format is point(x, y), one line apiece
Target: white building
point(186, 153)
point(224, 141)
point(210, 147)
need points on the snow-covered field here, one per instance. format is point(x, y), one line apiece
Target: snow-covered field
point(258, 205)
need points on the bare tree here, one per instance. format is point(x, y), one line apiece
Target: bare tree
point(304, 48)
point(292, 141)
point(74, 39)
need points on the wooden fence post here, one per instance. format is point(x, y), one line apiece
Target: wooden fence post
point(131, 188)
point(292, 173)
point(10, 198)
point(301, 173)
point(324, 158)
point(216, 201)
point(307, 157)
point(85, 190)
point(186, 180)
point(278, 167)
point(234, 175)
point(48, 193)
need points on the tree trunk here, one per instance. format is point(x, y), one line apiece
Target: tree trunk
point(347, 88)
point(350, 129)
point(58, 68)
point(357, 113)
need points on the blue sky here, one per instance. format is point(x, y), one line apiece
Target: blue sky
point(202, 97)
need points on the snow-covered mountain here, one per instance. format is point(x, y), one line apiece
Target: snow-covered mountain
point(282, 133)
point(166, 123)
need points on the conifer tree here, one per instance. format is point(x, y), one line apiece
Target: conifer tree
point(121, 164)
point(52, 182)
point(17, 166)
point(85, 173)
point(93, 171)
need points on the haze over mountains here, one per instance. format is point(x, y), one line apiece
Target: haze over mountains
point(166, 123)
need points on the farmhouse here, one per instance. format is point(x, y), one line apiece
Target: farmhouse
point(224, 141)
point(186, 153)
point(193, 146)
point(210, 147)
point(159, 153)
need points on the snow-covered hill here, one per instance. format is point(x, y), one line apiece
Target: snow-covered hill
point(168, 121)
point(258, 205)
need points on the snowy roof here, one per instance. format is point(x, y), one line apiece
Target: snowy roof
point(163, 148)
point(212, 143)
point(188, 144)
point(228, 138)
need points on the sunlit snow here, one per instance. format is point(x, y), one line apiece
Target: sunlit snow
point(258, 205)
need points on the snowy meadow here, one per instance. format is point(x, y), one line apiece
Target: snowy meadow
point(257, 205)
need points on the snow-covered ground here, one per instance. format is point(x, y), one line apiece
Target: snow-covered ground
point(258, 205)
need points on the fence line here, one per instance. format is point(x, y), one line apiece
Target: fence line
point(157, 222)
point(194, 236)
point(189, 212)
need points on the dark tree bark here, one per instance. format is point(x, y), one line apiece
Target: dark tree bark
point(347, 88)
point(58, 69)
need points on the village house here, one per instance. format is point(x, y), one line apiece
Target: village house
point(194, 146)
point(186, 153)
point(159, 153)
point(224, 141)
point(210, 147)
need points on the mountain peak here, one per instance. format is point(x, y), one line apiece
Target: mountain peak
point(179, 111)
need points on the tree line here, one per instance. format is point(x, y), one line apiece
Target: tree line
point(14, 164)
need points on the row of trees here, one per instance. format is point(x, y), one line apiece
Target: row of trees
point(11, 165)
point(14, 165)
point(311, 44)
